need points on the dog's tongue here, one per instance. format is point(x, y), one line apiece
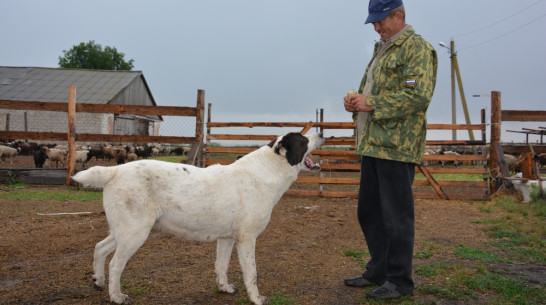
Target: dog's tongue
point(310, 164)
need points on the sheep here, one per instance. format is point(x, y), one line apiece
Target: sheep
point(109, 152)
point(512, 162)
point(40, 157)
point(83, 157)
point(131, 157)
point(97, 152)
point(143, 152)
point(8, 152)
point(180, 151)
point(542, 159)
point(524, 187)
point(56, 155)
point(121, 155)
point(449, 153)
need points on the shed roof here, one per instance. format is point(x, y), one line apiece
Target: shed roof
point(51, 84)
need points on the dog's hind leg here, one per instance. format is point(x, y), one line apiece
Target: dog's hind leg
point(102, 250)
point(247, 258)
point(224, 247)
point(128, 242)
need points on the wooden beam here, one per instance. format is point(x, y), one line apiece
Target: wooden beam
point(307, 127)
point(432, 181)
point(523, 115)
point(71, 136)
point(100, 108)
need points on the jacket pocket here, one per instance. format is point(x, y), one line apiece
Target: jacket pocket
point(386, 134)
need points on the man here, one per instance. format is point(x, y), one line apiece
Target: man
point(390, 111)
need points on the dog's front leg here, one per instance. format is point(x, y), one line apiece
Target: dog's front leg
point(224, 247)
point(246, 252)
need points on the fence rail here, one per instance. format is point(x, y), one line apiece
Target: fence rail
point(344, 160)
point(71, 136)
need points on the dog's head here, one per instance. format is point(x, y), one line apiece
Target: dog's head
point(295, 147)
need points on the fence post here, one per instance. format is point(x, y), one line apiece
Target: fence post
point(71, 133)
point(495, 140)
point(199, 125)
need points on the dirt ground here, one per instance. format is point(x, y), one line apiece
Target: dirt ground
point(47, 259)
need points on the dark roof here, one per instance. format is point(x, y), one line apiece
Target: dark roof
point(51, 84)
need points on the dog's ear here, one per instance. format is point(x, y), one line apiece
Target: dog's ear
point(272, 142)
point(295, 155)
point(295, 147)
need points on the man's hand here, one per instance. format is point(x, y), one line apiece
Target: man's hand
point(356, 103)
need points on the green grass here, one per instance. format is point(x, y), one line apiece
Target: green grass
point(29, 193)
point(516, 234)
point(452, 177)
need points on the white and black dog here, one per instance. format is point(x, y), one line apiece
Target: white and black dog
point(231, 204)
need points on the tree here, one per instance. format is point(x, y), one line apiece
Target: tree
point(91, 56)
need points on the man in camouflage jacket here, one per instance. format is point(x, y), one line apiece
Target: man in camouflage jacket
point(390, 111)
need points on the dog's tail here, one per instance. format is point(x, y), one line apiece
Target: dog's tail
point(96, 176)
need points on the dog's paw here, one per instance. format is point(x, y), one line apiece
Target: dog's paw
point(228, 288)
point(98, 283)
point(121, 299)
point(261, 300)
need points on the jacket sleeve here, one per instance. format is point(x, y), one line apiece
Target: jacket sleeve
point(407, 82)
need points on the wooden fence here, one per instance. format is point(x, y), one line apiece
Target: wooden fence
point(342, 160)
point(500, 173)
point(73, 136)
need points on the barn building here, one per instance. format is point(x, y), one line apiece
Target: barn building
point(92, 87)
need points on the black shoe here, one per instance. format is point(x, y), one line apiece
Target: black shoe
point(387, 291)
point(359, 282)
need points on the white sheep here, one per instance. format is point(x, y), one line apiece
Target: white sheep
point(8, 152)
point(524, 187)
point(56, 155)
point(82, 156)
point(449, 153)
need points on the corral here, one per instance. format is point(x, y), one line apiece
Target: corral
point(308, 248)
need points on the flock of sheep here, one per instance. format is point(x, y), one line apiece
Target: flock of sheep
point(49, 154)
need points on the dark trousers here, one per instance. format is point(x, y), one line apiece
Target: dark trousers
point(386, 216)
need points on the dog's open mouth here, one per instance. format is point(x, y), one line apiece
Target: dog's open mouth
point(311, 165)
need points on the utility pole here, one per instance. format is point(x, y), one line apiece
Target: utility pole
point(456, 73)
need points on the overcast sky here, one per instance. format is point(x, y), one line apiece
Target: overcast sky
point(281, 60)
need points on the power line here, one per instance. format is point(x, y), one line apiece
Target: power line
point(502, 20)
point(505, 33)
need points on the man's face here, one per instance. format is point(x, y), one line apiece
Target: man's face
point(389, 26)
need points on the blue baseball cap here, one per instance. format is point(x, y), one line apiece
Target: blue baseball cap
point(380, 9)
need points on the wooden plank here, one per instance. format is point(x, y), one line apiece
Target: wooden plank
point(432, 181)
point(307, 127)
point(83, 137)
point(340, 167)
point(456, 126)
point(348, 141)
point(230, 150)
point(71, 136)
point(40, 136)
point(519, 149)
point(328, 180)
point(100, 108)
point(40, 176)
point(453, 170)
point(455, 142)
point(324, 125)
point(212, 137)
point(471, 184)
point(454, 157)
point(323, 193)
point(354, 194)
point(523, 115)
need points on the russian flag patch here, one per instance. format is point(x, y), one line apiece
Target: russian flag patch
point(410, 83)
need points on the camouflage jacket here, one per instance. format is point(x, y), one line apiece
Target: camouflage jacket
point(404, 81)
